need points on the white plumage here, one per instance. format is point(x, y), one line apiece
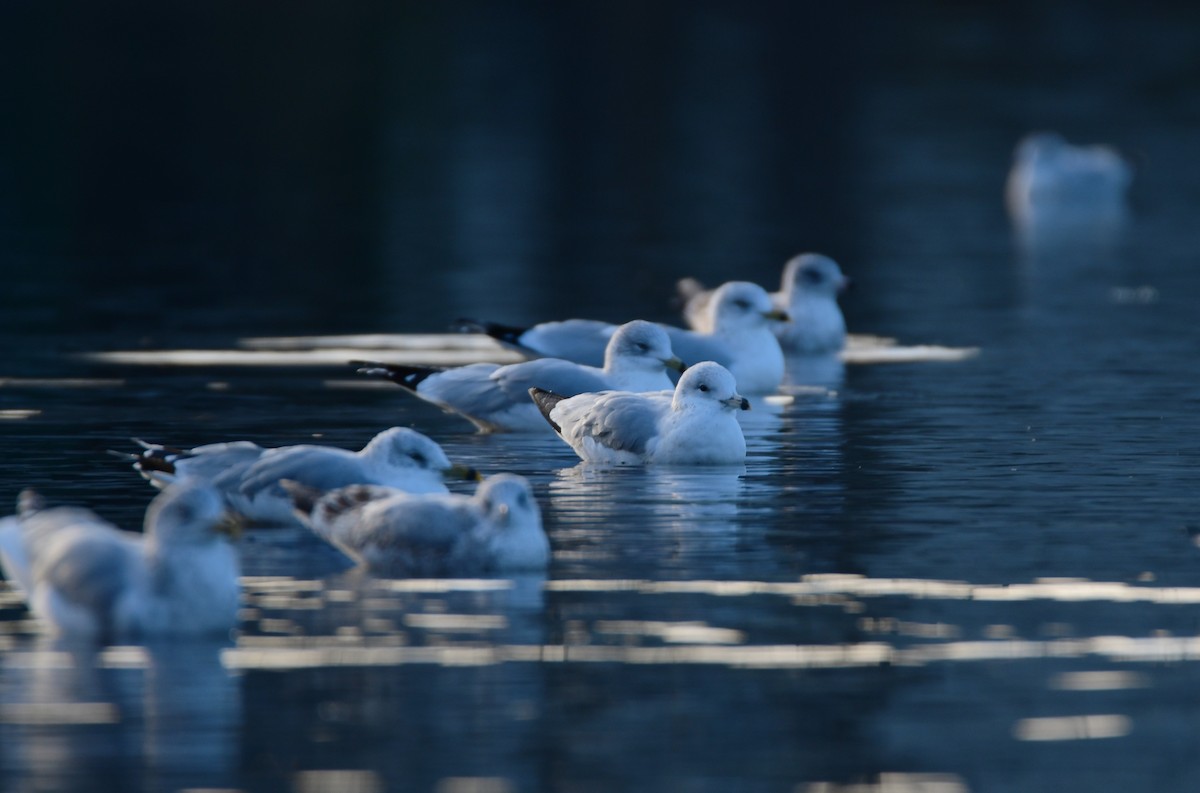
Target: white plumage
point(696, 424)
point(808, 294)
point(398, 457)
point(499, 529)
point(739, 338)
point(1050, 175)
point(86, 578)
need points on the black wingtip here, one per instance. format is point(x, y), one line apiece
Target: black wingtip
point(153, 462)
point(467, 325)
point(686, 289)
point(546, 401)
point(509, 334)
point(404, 376)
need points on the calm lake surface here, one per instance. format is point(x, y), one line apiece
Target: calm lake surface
point(935, 576)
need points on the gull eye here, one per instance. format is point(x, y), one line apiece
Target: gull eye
point(522, 500)
point(703, 386)
point(643, 346)
point(418, 458)
point(811, 277)
point(744, 305)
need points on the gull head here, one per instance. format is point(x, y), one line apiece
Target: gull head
point(404, 448)
point(813, 274)
point(189, 513)
point(517, 538)
point(401, 447)
point(640, 345)
point(708, 386)
point(739, 305)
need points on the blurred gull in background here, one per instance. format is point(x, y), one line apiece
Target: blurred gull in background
point(1056, 189)
point(398, 457)
point(86, 578)
point(808, 294)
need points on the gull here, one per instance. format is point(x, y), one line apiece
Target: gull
point(696, 424)
point(496, 398)
point(398, 457)
point(1051, 175)
point(86, 578)
point(499, 529)
point(808, 294)
point(740, 338)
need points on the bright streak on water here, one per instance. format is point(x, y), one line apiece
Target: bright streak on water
point(894, 783)
point(338, 782)
point(1099, 681)
point(1072, 728)
point(59, 713)
point(809, 586)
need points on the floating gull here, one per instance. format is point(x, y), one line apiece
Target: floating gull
point(808, 294)
point(1051, 179)
point(741, 338)
point(499, 529)
point(496, 398)
point(87, 578)
point(398, 457)
point(694, 425)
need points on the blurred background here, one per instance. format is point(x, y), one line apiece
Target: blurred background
point(171, 173)
point(177, 176)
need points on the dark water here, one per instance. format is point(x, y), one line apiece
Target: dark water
point(972, 576)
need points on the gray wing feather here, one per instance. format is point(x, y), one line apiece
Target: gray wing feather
point(551, 374)
point(696, 347)
point(212, 460)
point(616, 419)
point(412, 535)
point(320, 467)
point(469, 390)
point(579, 340)
point(484, 390)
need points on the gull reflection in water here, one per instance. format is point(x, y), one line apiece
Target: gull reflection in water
point(1061, 251)
point(116, 717)
point(657, 516)
point(826, 371)
point(1098, 225)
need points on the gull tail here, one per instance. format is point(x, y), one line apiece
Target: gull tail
point(29, 502)
point(304, 498)
point(546, 402)
point(150, 462)
point(154, 457)
point(408, 377)
point(158, 448)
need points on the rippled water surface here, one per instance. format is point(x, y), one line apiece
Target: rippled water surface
point(944, 576)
